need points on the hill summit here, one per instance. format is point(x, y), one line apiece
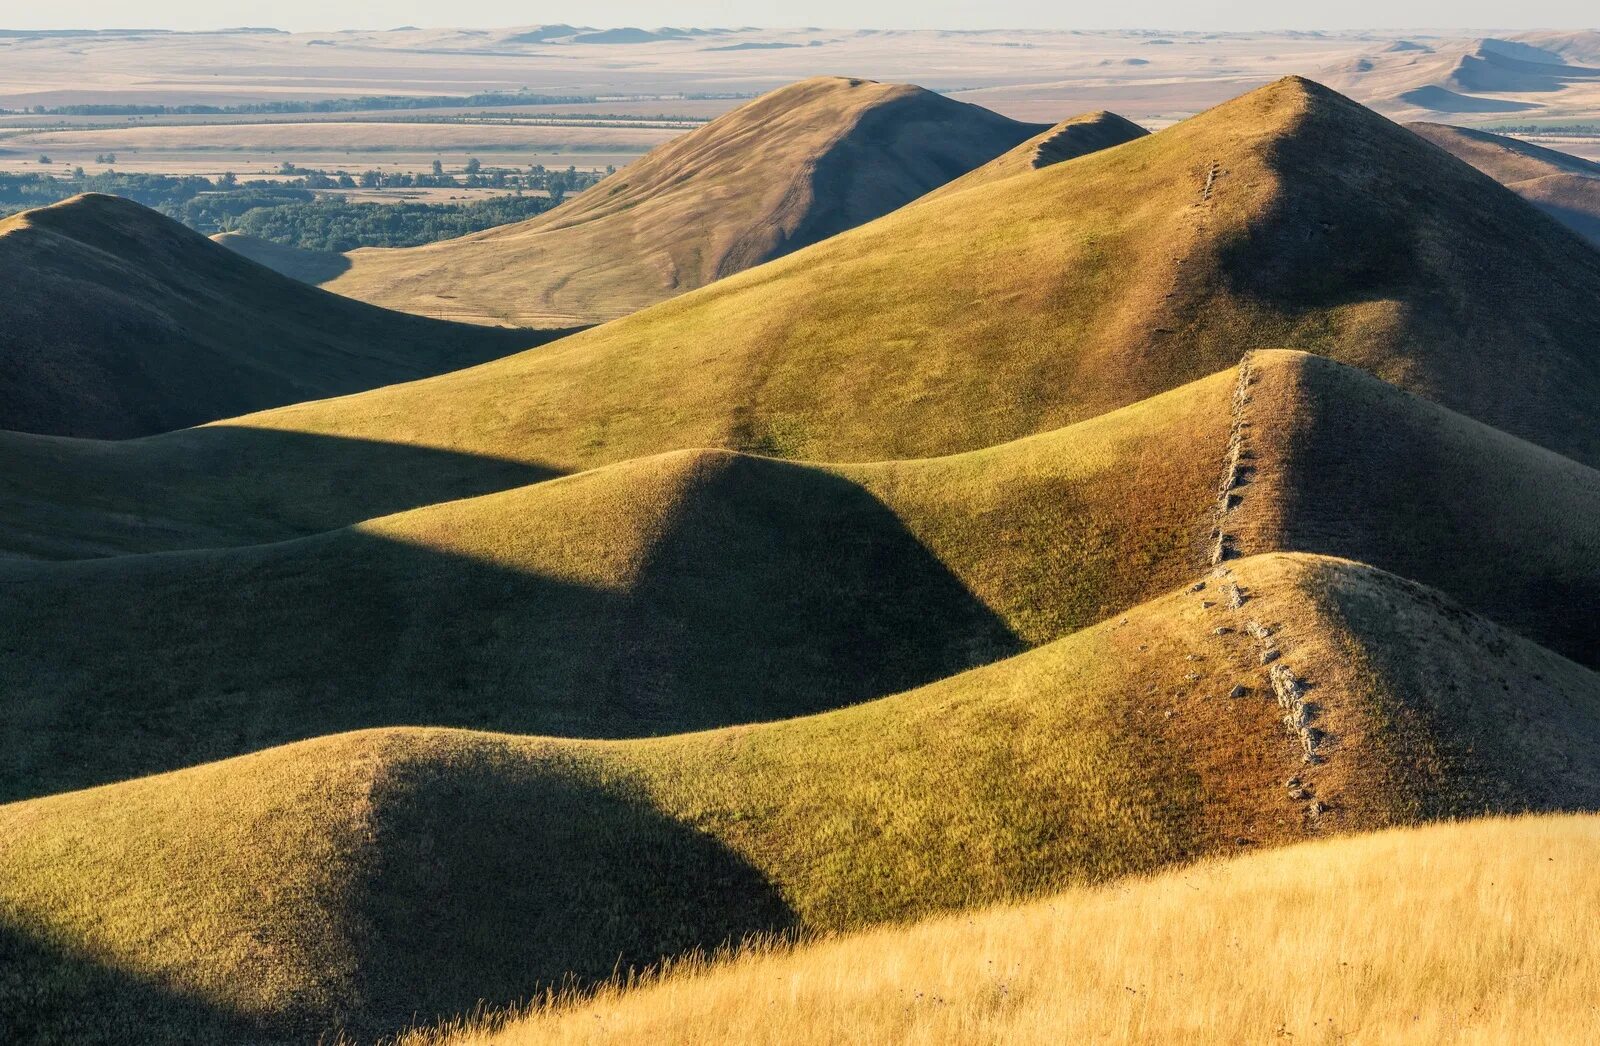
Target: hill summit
point(120, 322)
point(787, 170)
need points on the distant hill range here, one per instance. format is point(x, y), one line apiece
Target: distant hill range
point(1565, 187)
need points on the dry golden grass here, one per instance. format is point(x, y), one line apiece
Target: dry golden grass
point(793, 167)
point(353, 881)
point(1473, 932)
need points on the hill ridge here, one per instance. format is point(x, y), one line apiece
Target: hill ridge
point(788, 169)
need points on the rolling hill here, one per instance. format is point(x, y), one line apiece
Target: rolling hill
point(1565, 187)
point(717, 588)
point(1289, 944)
point(795, 166)
point(120, 322)
point(1064, 293)
point(364, 880)
point(956, 323)
point(1067, 140)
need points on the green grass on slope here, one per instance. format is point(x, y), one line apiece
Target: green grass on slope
point(683, 591)
point(119, 322)
point(297, 263)
point(368, 879)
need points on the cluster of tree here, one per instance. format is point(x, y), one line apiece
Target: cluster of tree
point(329, 224)
point(289, 212)
point(537, 178)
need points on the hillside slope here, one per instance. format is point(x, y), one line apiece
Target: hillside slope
point(119, 322)
point(793, 167)
point(1289, 944)
point(711, 588)
point(1565, 187)
point(1067, 140)
point(366, 879)
point(1289, 217)
point(718, 588)
point(311, 267)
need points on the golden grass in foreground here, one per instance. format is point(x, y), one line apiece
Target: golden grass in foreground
point(363, 881)
point(1470, 932)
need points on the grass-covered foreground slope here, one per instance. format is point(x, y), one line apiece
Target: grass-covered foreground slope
point(1477, 932)
point(1067, 140)
point(365, 879)
point(1289, 217)
point(1565, 187)
point(119, 322)
point(795, 166)
point(687, 590)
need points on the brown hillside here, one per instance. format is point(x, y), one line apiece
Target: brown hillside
point(1288, 217)
point(118, 322)
point(793, 167)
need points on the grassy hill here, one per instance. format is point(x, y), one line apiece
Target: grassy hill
point(688, 590)
point(1419, 935)
point(717, 588)
point(1565, 187)
point(120, 322)
point(297, 263)
point(956, 323)
point(1063, 293)
point(1067, 140)
point(361, 879)
point(795, 166)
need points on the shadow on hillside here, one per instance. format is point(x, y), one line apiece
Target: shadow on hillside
point(220, 486)
point(50, 995)
point(498, 878)
point(777, 590)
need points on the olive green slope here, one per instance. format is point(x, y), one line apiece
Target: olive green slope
point(795, 166)
point(368, 880)
point(118, 322)
point(687, 590)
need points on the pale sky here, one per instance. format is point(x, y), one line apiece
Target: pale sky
point(322, 15)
